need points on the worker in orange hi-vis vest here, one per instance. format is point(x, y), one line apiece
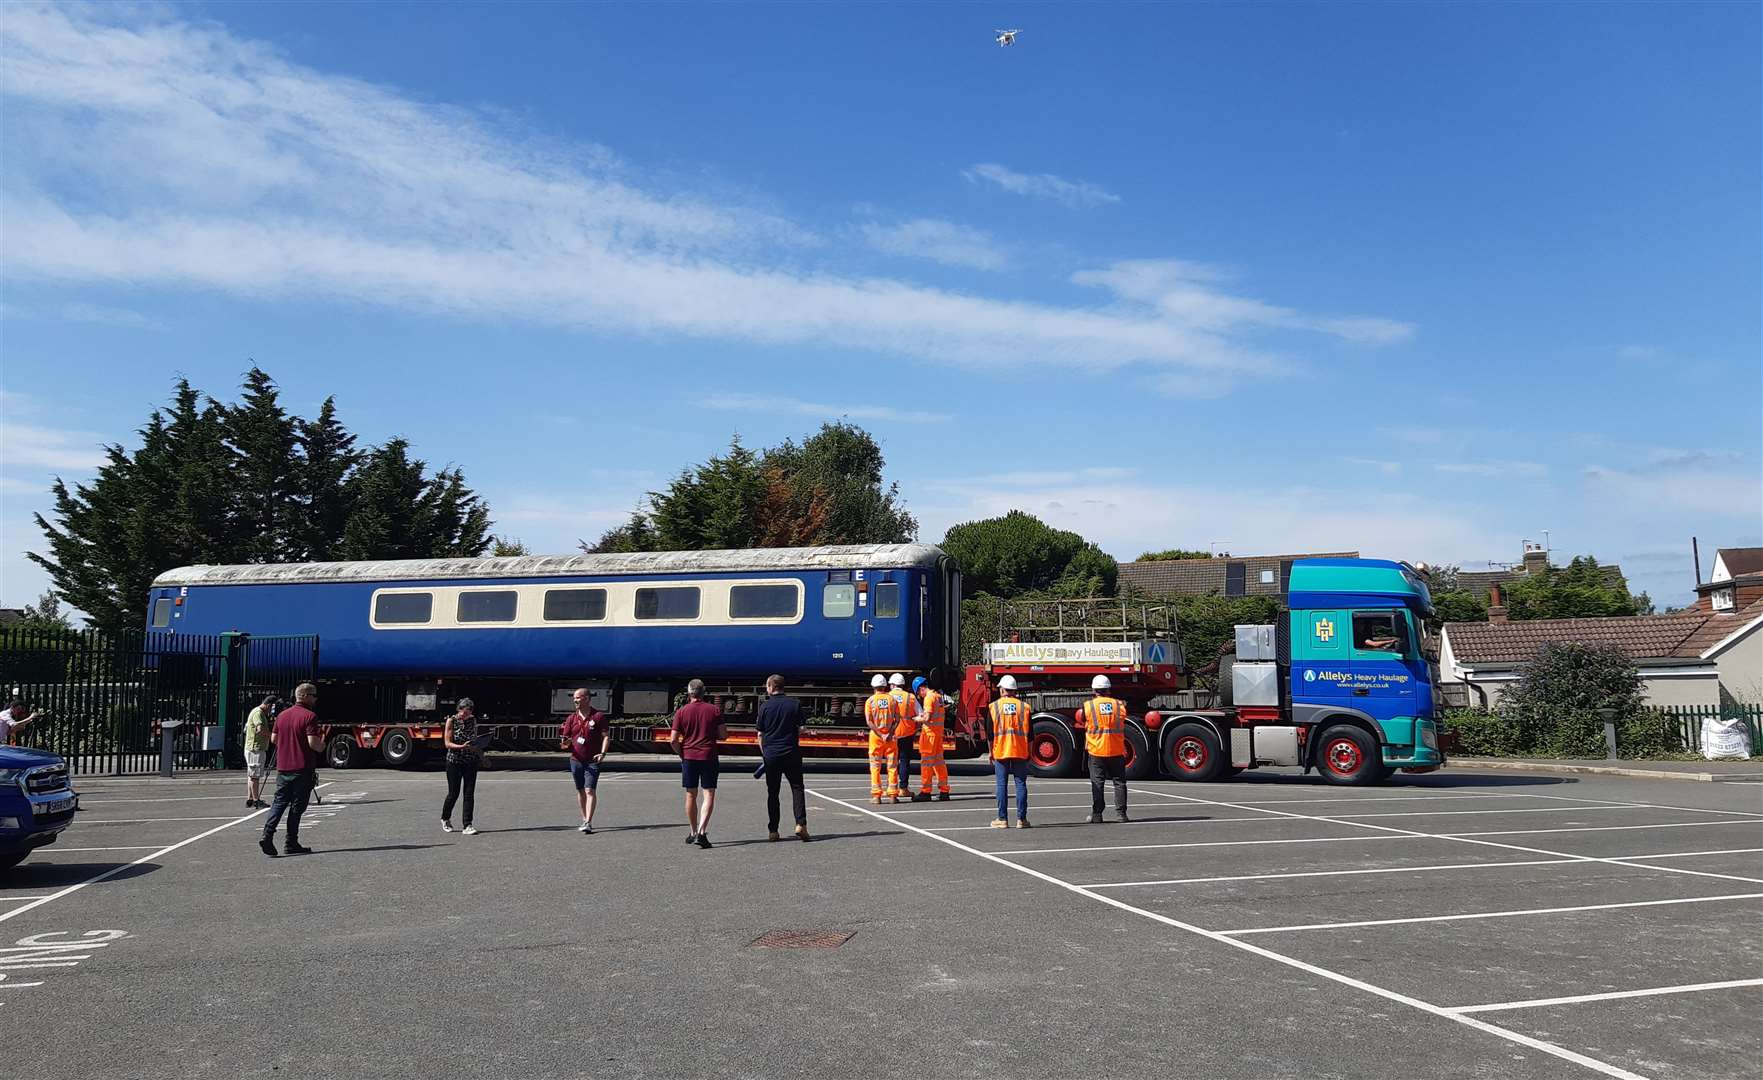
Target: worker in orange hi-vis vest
point(879, 715)
point(1104, 723)
point(932, 722)
point(1009, 716)
point(905, 727)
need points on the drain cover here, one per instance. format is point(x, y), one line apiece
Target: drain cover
point(803, 939)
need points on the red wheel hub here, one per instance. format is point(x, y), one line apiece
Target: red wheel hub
point(1191, 752)
point(1045, 749)
point(1343, 757)
point(1131, 754)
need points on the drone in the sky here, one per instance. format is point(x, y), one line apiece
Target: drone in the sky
point(1006, 37)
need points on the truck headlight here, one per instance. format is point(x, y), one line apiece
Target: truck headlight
point(9, 823)
point(11, 776)
point(1429, 735)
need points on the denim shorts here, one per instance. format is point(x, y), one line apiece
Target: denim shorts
point(586, 774)
point(696, 774)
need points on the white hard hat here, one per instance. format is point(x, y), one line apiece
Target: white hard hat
point(896, 679)
point(1008, 682)
point(878, 682)
point(1100, 682)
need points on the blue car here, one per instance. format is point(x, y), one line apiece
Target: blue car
point(36, 802)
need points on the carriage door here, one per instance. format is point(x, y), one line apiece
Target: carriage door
point(847, 625)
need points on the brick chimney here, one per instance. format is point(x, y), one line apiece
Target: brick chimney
point(1536, 559)
point(1496, 605)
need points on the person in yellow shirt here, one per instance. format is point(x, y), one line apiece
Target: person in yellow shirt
point(1104, 723)
point(1010, 721)
point(881, 716)
point(932, 723)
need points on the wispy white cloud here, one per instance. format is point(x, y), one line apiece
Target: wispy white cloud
point(207, 161)
point(1183, 291)
point(40, 450)
point(101, 314)
point(768, 403)
point(1639, 352)
point(1388, 468)
point(1721, 485)
point(1041, 185)
point(939, 241)
point(1522, 470)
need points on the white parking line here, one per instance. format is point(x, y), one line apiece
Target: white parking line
point(1550, 1048)
point(1330, 873)
point(1503, 810)
point(135, 847)
point(1468, 838)
point(1656, 806)
point(115, 870)
point(1188, 821)
point(1488, 914)
point(147, 820)
point(1692, 854)
point(85, 801)
point(970, 808)
point(1202, 843)
point(1602, 828)
point(1538, 1003)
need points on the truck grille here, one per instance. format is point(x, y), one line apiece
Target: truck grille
point(45, 779)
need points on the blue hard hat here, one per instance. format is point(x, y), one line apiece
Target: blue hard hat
point(918, 684)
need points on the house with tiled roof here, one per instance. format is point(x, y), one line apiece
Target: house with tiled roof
point(1737, 580)
point(1535, 561)
point(1221, 575)
point(1687, 658)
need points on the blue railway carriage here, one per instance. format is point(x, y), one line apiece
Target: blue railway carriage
point(401, 641)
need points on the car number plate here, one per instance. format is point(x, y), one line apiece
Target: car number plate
point(56, 807)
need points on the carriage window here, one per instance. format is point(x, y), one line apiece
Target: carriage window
point(575, 605)
point(887, 600)
point(486, 606)
point(839, 601)
point(162, 612)
point(762, 602)
point(403, 607)
point(676, 603)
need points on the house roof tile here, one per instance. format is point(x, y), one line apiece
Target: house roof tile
point(1741, 560)
point(1640, 637)
point(1716, 627)
point(1205, 577)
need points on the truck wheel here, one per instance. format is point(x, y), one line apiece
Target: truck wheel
point(1349, 757)
point(398, 748)
point(342, 752)
point(1192, 752)
point(1141, 764)
point(1052, 752)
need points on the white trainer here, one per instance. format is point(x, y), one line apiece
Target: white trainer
point(471, 830)
point(446, 826)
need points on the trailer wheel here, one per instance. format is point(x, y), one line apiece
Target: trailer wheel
point(1052, 752)
point(398, 748)
point(1193, 752)
point(342, 752)
point(1141, 764)
point(1349, 757)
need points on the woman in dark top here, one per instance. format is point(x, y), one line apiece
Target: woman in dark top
point(463, 759)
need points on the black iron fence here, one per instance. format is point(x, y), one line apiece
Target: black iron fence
point(103, 700)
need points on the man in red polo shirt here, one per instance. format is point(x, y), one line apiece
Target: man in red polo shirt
point(297, 743)
point(696, 728)
point(584, 736)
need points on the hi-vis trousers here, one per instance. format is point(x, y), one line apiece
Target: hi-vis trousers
point(884, 755)
point(933, 767)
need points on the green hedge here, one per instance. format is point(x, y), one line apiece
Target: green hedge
point(1649, 733)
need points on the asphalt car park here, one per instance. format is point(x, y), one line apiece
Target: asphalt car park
point(1450, 925)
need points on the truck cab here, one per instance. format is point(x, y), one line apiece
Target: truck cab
point(1356, 629)
point(36, 802)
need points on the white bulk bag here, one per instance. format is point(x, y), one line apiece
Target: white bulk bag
point(1725, 738)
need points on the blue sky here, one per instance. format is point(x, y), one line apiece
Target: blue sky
point(1419, 280)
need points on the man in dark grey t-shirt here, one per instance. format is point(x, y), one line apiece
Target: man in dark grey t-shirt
point(780, 725)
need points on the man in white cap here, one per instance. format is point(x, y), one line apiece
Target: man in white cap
point(1010, 721)
point(880, 716)
point(1104, 722)
point(905, 729)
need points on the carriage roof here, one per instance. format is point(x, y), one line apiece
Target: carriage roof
point(770, 560)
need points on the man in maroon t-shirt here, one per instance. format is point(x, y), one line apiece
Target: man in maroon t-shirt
point(584, 736)
point(296, 742)
point(696, 727)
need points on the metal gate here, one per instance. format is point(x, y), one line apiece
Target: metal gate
point(102, 700)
